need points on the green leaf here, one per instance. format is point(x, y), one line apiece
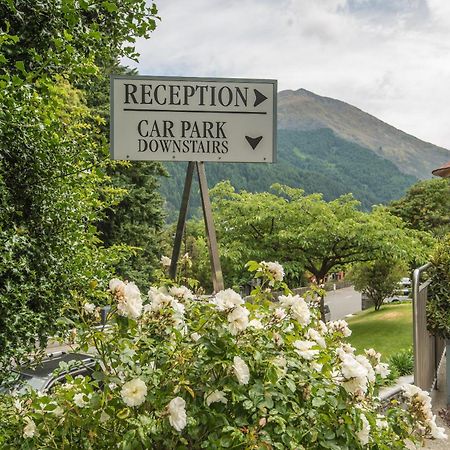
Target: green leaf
point(110, 6)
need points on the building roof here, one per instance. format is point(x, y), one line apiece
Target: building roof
point(443, 171)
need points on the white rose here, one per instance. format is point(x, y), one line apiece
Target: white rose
point(58, 411)
point(215, 397)
point(256, 324)
point(89, 308)
point(275, 269)
point(345, 350)
point(78, 399)
point(132, 308)
point(238, 319)
point(29, 430)
point(130, 303)
point(177, 413)
point(339, 326)
point(241, 370)
point(182, 292)
point(297, 307)
point(158, 300)
point(382, 369)
point(278, 339)
point(303, 348)
point(435, 431)
point(363, 434)
point(366, 363)
point(227, 299)
point(165, 261)
point(116, 285)
point(351, 368)
point(134, 392)
point(280, 313)
point(316, 366)
point(322, 326)
point(195, 336)
point(409, 390)
point(18, 405)
point(316, 336)
point(356, 386)
point(178, 307)
point(373, 354)
point(381, 421)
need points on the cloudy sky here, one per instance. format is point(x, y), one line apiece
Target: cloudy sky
point(390, 58)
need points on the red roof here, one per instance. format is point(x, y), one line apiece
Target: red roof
point(443, 171)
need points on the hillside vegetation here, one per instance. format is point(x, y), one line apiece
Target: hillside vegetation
point(315, 160)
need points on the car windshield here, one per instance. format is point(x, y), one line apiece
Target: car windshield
point(49, 372)
point(35, 382)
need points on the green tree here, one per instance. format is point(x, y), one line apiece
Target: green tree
point(305, 230)
point(137, 220)
point(426, 206)
point(438, 305)
point(53, 182)
point(378, 279)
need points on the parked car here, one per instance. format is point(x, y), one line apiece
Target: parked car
point(403, 292)
point(51, 372)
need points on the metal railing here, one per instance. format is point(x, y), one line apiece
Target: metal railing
point(428, 349)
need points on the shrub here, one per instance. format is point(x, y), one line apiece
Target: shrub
point(438, 305)
point(403, 362)
point(179, 372)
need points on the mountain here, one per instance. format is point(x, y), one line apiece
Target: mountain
point(327, 146)
point(315, 160)
point(304, 110)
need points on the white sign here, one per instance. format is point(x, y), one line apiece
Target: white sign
point(193, 119)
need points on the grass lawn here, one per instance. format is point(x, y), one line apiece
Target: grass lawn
point(387, 331)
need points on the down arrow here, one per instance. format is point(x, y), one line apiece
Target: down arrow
point(253, 141)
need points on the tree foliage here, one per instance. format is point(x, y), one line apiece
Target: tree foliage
point(53, 182)
point(137, 220)
point(426, 206)
point(305, 231)
point(378, 279)
point(295, 227)
point(438, 305)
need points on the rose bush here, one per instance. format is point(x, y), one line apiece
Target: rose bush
point(179, 372)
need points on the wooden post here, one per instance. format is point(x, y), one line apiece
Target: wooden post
point(217, 277)
point(213, 248)
point(181, 220)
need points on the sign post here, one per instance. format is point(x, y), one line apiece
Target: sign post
point(196, 120)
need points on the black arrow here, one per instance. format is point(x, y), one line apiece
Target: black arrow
point(259, 98)
point(253, 141)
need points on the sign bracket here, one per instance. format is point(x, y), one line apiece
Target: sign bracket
point(217, 277)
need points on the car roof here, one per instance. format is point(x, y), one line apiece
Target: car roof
point(51, 363)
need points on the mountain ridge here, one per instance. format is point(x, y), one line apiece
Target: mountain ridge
point(328, 146)
point(313, 160)
point(304, 110)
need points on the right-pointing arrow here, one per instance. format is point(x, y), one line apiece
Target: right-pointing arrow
point(259, 97)
point(253, 141)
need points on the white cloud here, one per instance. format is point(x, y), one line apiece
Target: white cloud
point(391, 59)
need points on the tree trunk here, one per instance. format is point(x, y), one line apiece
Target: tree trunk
point(320, 276)
point(322, 308)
